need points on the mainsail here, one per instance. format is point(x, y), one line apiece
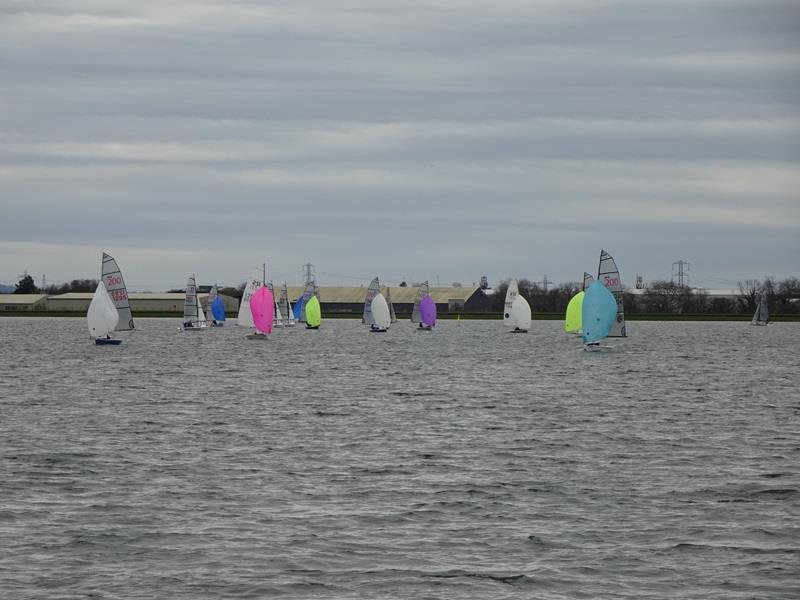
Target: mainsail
point(115, 286)
point(608, 275)
point(373, 290)
point(761, 316)
point(245, 318)
point(392, 315)
point(190, 313)
point(587, 280)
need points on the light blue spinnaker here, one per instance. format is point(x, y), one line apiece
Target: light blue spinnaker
point(598, 313)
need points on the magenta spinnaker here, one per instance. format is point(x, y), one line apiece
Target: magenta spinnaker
point(262, 307)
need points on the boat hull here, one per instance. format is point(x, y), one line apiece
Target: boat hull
point(107, 342)
point(312, 326)
point(256, 336)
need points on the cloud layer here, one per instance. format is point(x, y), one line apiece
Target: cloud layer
point(413, 140)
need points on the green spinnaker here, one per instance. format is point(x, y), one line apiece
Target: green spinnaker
point(572, 323)
point(313, 312)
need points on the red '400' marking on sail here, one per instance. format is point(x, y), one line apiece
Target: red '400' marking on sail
point(608, 281)
point(113, 280)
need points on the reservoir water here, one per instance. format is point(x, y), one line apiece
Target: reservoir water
point(460, 463)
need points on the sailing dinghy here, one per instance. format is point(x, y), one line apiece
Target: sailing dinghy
point(285, 307)
point(245, 317)
point(599, 312)
point(102, 317)
point(313, 313)
point(217, 307)
point(424, 311)
point(378, 323)
point(761, 316)
point(608, 275)
point(262, 307)
point(517, 313)
point(193, 317)
point(572, 320)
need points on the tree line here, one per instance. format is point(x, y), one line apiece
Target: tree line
point(667, 297)
point(659, 297)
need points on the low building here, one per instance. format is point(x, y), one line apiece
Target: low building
point(350, 300)
point(23, 302)
point(141, 303)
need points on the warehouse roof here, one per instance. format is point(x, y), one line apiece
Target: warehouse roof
point(21, 298)
point(353, 295)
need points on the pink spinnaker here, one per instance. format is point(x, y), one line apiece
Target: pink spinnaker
point(262, 305)
point(427, 311)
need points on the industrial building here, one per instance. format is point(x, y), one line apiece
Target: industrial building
point(140, 302)
point(350, 300)
point(334, 300)
point(23, 302)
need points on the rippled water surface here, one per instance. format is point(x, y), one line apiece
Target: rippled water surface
point(459, 463)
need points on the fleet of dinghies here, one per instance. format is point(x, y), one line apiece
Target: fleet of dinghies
point(596, 312)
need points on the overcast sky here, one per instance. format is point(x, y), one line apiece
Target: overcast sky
point(407, 139)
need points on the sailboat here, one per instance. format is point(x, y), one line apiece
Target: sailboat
point(599, 312)
point(392, 315)
point(313, 313)
point(102, 317)
point(245, 318)
point(111, 277)
point(761, 316)
point(262, 308)
point(307, 294)
point(608, 275)
point(217, 307)
point(192, 310)
point(424, 311)
point(517, 313)
point(276, 311)
point(285, 308)
point(572, 320)
point(378, 322)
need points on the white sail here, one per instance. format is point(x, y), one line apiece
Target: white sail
point(421, 293)
point(380, 312)
point(587, 280)
point(511, 294)
point(190, 313)
point(373, 290)
point(276, 310)
point(115, 287)
point(761, 316)
point(102, 316)
point(608, 275)
point(392, 315)
point(201, 315)
point(521, 313)
point(245, 318)
point(286, 306)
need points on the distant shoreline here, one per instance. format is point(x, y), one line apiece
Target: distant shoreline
point(445, 317)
